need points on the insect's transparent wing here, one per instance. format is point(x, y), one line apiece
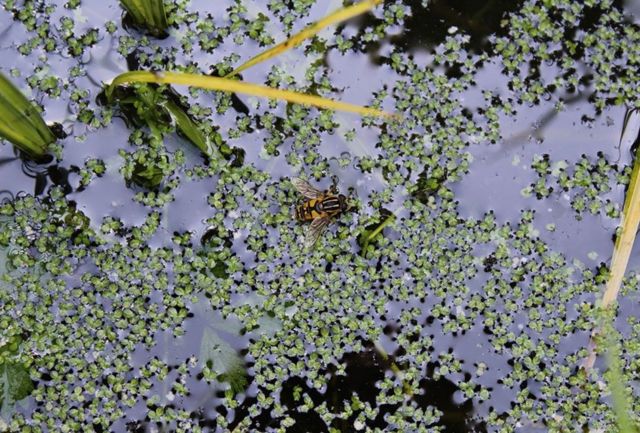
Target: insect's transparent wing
point(305, 189)
point(315, 230)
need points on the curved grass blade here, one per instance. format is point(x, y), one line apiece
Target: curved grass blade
point(20, 122)
point(148, 14)
point(308, 32)
point(625, 123)
point(235, 86)
point(624, 243)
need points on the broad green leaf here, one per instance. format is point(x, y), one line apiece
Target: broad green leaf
point(189, 128)
point(148, 14)
point(21, 123)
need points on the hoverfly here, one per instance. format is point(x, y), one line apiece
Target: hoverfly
point(319, 207)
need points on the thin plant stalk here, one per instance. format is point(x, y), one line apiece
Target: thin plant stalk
point(235, 86)
point(622, 250)
point(395, 369)
point(21, 123)
point(311, 30)
point(605, 332)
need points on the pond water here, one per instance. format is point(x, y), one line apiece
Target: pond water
point(188, 302)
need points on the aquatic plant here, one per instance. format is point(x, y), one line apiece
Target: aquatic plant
point(479, 308)
point(21, 123)
point(153, 106)
point(372, 231)
point(234, 86)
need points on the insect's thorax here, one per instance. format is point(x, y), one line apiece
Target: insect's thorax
point(311, 209)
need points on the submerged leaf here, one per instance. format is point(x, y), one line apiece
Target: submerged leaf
point(15, 384)
point(224, 360)
point(337, 16)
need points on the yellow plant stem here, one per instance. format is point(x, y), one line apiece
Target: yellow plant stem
point(308, 32)
point(621, 252)
point(234, 86)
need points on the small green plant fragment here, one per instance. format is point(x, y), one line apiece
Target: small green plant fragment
point(236, 376)
point(235, 86)
point(21, 123)
point(148, 173)
point(374, 230)
point(337, 16)
point(211, 253)
point(147, 14)
point(428, 184)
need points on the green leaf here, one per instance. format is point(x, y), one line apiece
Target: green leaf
point(15, 384)
point(190, 129)
point(148, 174)
point(21, 123)
point(148, 14)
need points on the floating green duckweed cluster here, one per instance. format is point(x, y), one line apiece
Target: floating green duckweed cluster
point(585, 184)
point(335, 337)
point(572, 35)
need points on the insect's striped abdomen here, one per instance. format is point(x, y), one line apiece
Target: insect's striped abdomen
point(330, 204)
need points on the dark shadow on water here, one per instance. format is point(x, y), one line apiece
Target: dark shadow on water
point(363, 371)
point(429, 26)
point(45, 174)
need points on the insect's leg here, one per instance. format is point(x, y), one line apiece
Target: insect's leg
point(334, 185)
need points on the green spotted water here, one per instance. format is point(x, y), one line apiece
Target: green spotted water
point(194, 307)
